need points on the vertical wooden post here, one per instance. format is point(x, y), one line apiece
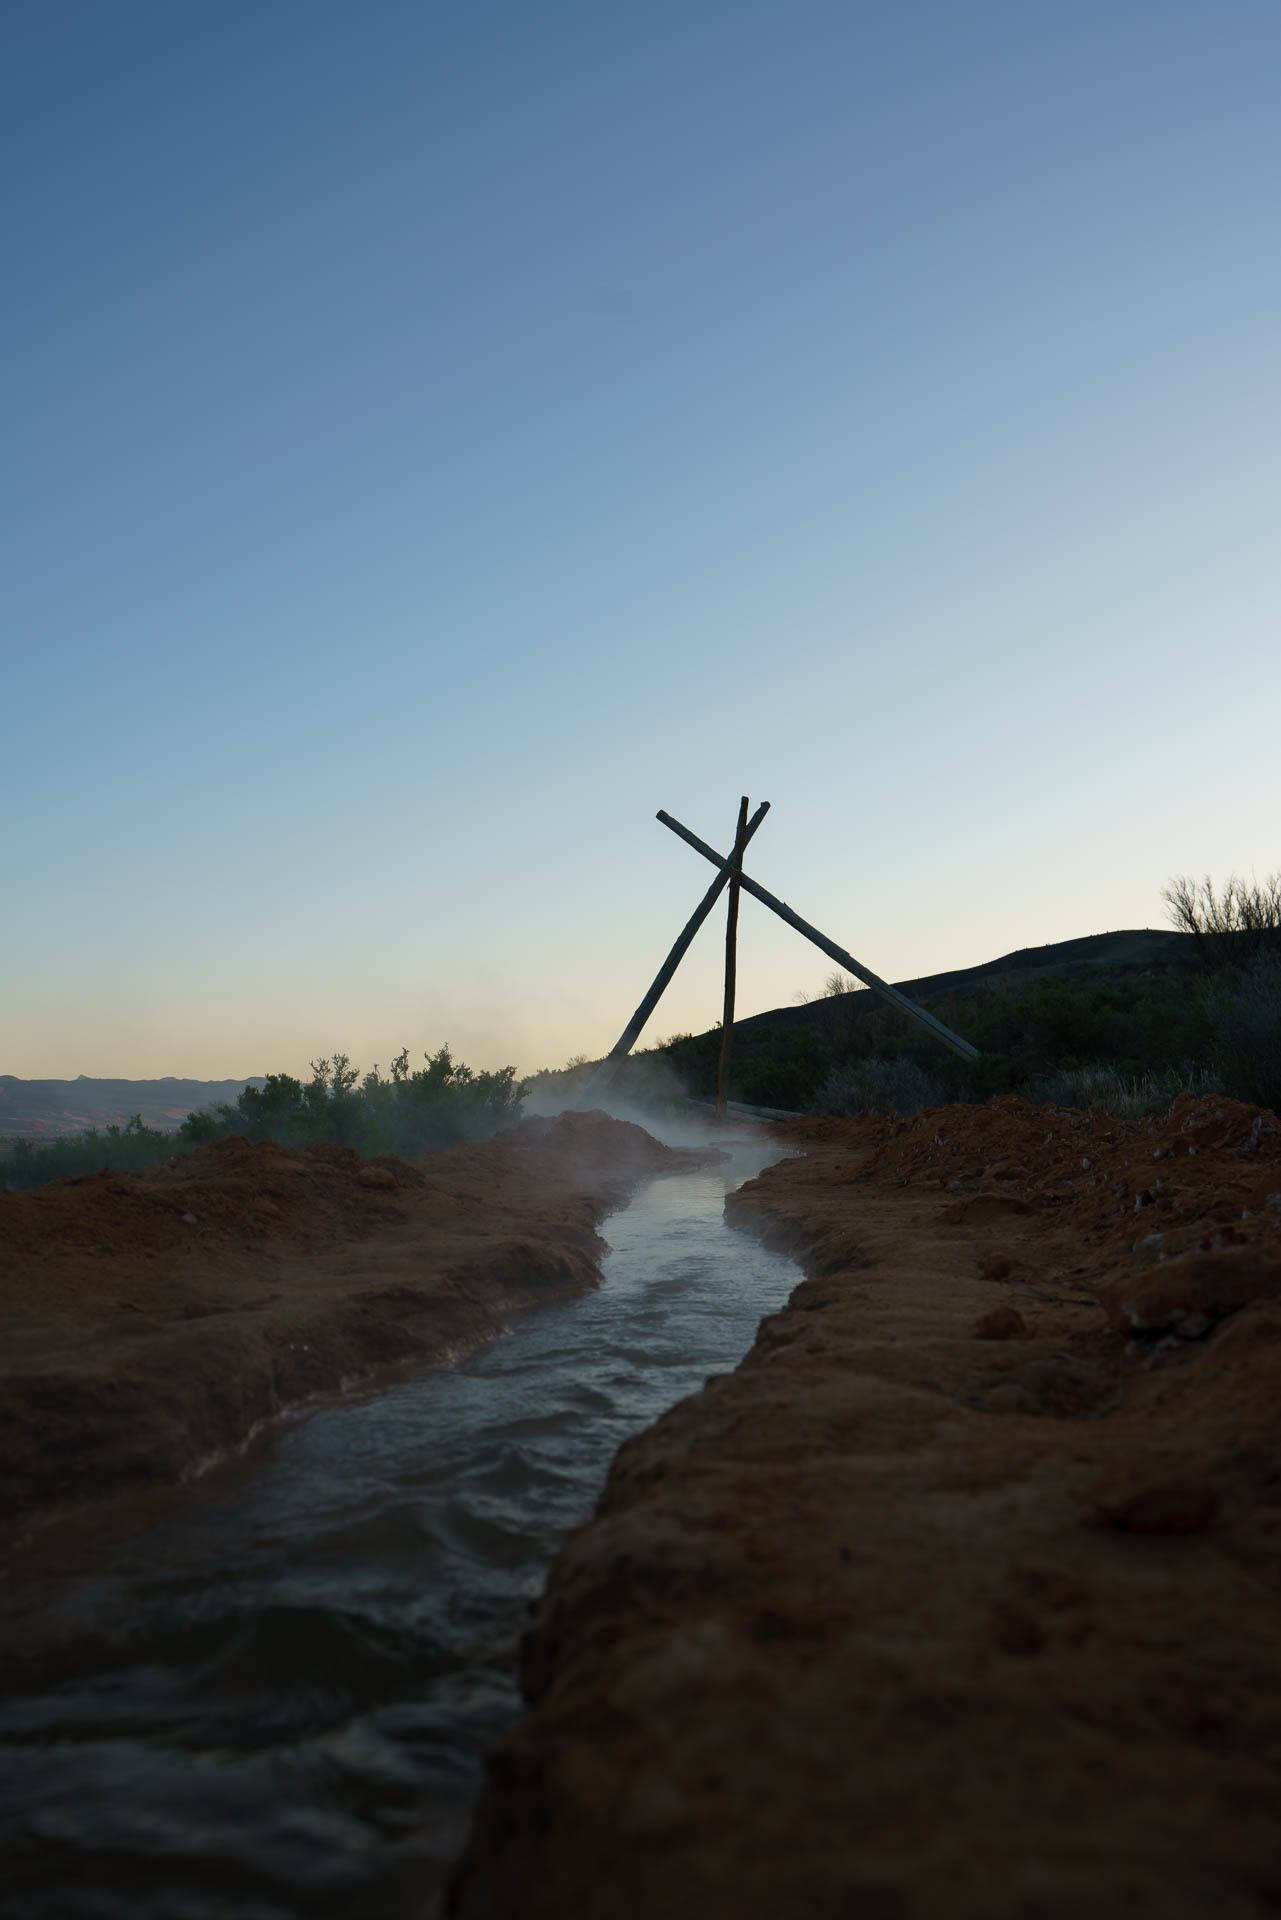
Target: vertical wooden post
point(731, 963)
point(613, 1060)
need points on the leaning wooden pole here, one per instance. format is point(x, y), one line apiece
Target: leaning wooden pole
point(829, 947)
point(609, 1066)
point(731, 964)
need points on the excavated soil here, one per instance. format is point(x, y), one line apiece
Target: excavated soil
point(962, 1595)
point(151, 1321)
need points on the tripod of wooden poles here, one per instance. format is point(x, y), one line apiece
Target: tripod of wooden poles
point(730, 874)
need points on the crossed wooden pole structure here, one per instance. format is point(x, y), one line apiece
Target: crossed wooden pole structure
point(730, 874)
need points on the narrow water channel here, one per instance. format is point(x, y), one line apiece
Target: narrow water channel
point(272, 1698)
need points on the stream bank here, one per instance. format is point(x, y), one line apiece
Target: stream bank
point(151, 1322)
point(960, 1595)
point(269, 1693)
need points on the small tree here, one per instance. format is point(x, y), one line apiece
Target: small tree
point(1230, 925)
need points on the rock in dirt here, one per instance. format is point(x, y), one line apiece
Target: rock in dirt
point(1001, 1323)
point(1161, 1506)
point(1199, 1286)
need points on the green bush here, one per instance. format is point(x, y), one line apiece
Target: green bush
point(878, 1086)
point(407, 1112)
point(30, 1163)
point(1244, 1010)
point(1102, 1086)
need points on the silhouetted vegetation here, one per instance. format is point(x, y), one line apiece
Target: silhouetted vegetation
point(406, 1111)
point(1244, 1012)
point(1232, 925)
point(1127, 1038)
point(29, 1163)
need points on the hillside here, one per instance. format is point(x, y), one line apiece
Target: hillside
point(1061, 959)
point(1123, 1020)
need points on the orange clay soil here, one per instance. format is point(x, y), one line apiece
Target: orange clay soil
point(149, 1321)
point(962, 1595)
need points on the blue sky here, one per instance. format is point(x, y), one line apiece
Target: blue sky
point(437, 438)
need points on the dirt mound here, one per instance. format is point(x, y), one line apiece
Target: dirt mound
point(150, 1320)
point(1203, 1179)
point(1222, 1158)
point(960, 1595)
point(80, 1233)
point(594, 1147)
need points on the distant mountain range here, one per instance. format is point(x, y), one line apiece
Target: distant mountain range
point(52, 1109)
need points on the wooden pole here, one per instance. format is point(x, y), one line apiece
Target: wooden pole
point(731, 964)
point(609, 1066)
point(829, 947)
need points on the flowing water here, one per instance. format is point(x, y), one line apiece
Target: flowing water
point(271, 1695)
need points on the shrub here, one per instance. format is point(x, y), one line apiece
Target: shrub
point(410, 1112)
point(435, 1106)
point(1232, 926)
point(878, 1086)
point(1099, 1085)
point(28, 1163)
point(552, 1086)
point(1244, 1011)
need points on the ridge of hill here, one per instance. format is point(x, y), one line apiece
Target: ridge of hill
point(1134, 946)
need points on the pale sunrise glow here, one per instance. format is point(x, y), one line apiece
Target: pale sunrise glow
point(437, 441)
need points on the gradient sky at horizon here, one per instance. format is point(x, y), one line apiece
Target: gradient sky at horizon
point(437, 438)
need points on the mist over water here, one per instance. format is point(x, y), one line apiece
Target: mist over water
point(666, 1112)
point(275, 1694)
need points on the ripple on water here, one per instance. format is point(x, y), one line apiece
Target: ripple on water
point(276, 1696)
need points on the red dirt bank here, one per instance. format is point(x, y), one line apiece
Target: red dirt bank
point(961, 1595)
point(149, 1321)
